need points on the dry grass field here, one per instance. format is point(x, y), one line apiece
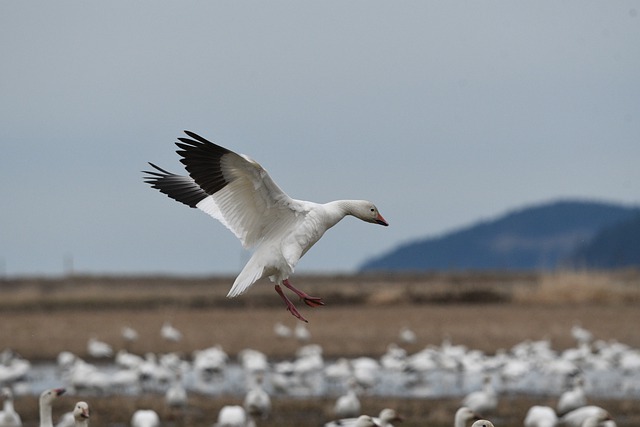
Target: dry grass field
point(363, 314)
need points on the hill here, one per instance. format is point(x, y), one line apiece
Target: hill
point(615, 246)
point(537, 237)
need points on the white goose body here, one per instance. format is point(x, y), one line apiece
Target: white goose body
point(81, 414)
point(47, 398)
point(8, 416)
point(238, 192)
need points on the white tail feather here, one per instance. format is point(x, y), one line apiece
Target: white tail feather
point(251, 273)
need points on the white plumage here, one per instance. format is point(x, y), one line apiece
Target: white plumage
point(238, 192)
point(145, 418)
point(463, 416)
point(81, 414)
point(540, 416)
point(8, 417)
point(45, 403)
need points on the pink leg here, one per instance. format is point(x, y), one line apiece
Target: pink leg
point(292, 308)
point(308, 299)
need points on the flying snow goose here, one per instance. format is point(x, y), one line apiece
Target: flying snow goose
point(81, 414)
point(8, 417)
point(47, 398)
point(238, 192)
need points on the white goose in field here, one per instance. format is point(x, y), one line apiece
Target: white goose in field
point(233, 416)
point(170, 332)
point(238, 192)
point(540, 416)
point(99, 349)
point(577, 417)
point(145, 418)
point(81, 414)
point(47, 398)
point(8, 417)
point(385, 419)
point(348, 405)
point(361, 421)
point(463, 416)
point(482, 401)
point(573, 398)
point(257, 402)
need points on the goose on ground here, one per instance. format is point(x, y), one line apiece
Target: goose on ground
point(596, 420)
point(145, 418)
point(281, 330)
point(577, 417)
point(81, 414)
point(176, 395)
point(387, 417)
point(540, 416)
point(361, 421)
point(483, 401)
point(8, 417)
point(463, 416)
point(482, 423)
point(99, 349)
point(129, 334)
point(233, 416)
point(238, 192)
point(46, 400)
point(573, 398)
point(348, 404)
point(170, 332)
point(257, 402)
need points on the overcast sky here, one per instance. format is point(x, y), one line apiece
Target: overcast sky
point(442, 113)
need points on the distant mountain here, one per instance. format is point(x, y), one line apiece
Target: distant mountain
point(537, 237)
point(616, 246)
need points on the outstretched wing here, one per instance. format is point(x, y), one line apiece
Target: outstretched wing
point(230, 187)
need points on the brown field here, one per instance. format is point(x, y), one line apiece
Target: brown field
point(41, 317)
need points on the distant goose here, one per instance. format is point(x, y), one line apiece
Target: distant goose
point(129, 334)
point(145, 418)
point(81, 414)
point(170, 333)
point(482, 401)
point(463, 416)
point(233, 416)
point(238, 192)
point(577, 417)
point(361, 421)
point(540, 416)
point(99, 349)
point(257, 402)
point(386, 417)
point(348, 405)
point(47, 398)
point(8, 417)
point(573, 398)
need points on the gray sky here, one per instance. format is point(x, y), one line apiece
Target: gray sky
point(442, 113)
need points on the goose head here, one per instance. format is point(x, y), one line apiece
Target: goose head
point(367, 212)
point(48, 396)
point(81, 411)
